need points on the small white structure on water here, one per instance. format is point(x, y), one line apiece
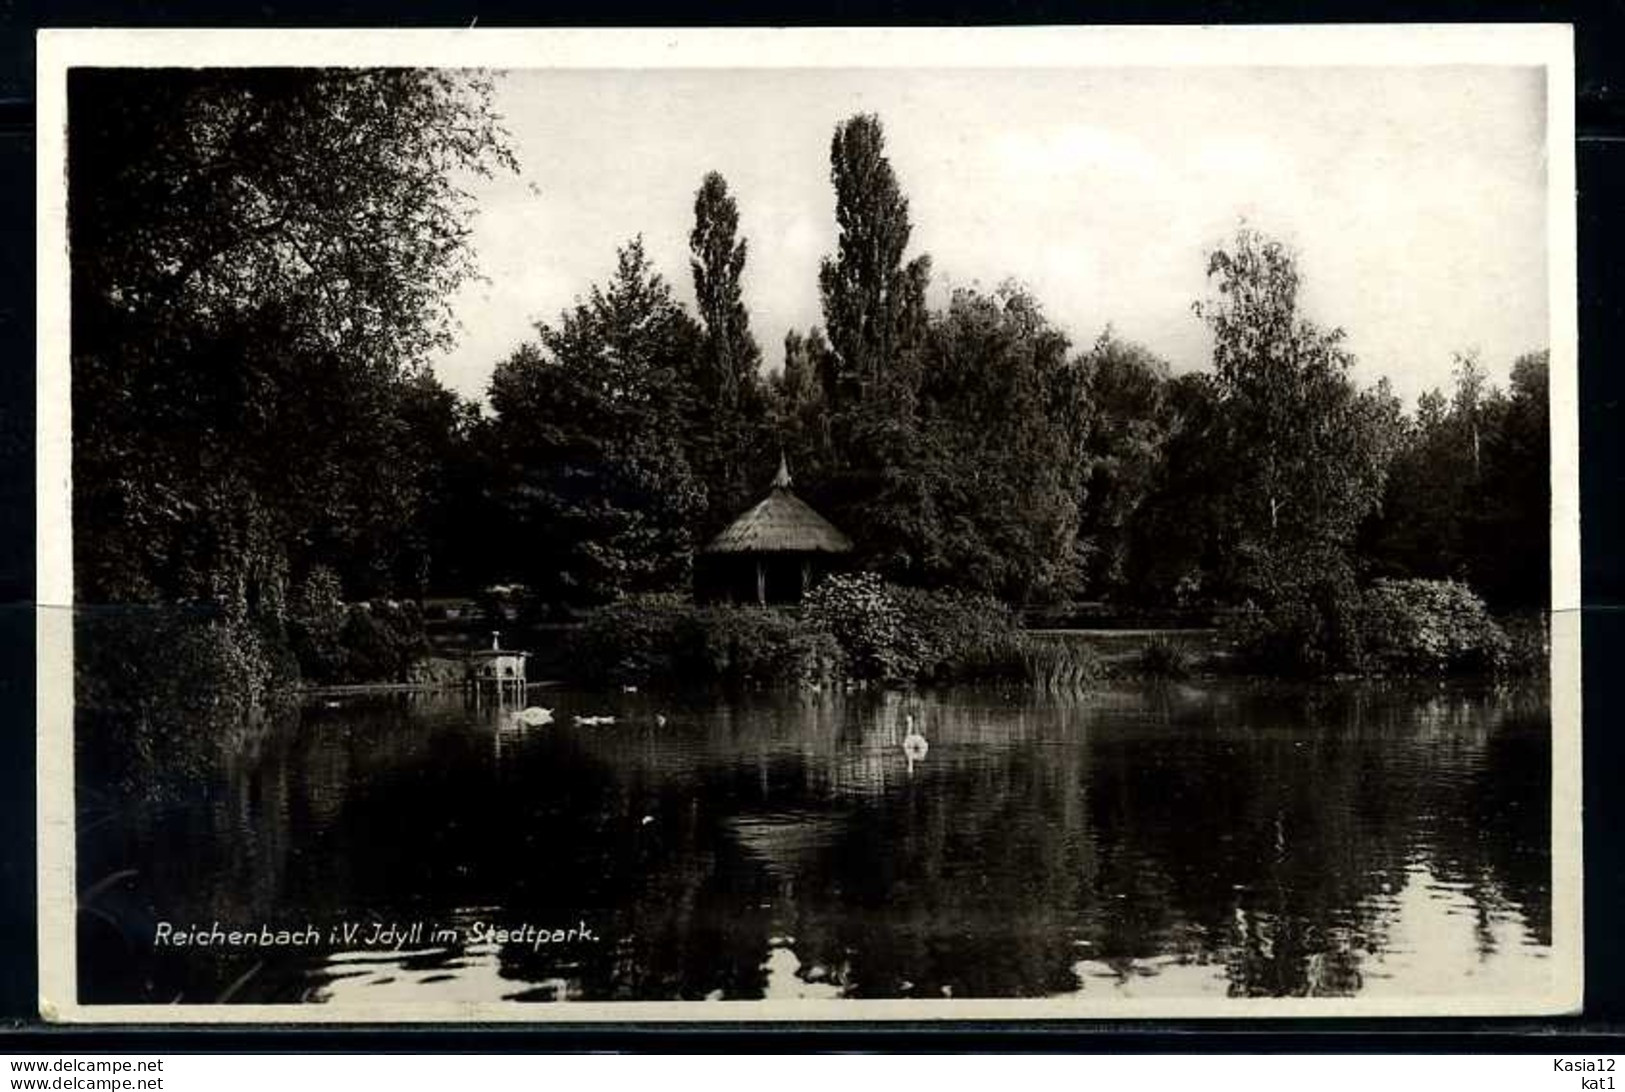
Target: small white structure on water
point(500, 669)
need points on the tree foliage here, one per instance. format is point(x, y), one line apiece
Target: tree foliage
point(599, 493)
point(1469, 498)
point(263, 263)
point(260, 260)
point(729, 437)
point(334, 195)
point(1310, 450)
point(949, 445)
point(874, 303)
point(1176, 552)
point(1131, 399)
point(718, 265)
point(1003, 417)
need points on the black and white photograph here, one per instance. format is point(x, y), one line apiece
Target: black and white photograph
point(810, 525)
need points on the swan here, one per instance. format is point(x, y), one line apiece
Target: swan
point(915, 745)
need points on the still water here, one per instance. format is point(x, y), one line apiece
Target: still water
point(1180, 841)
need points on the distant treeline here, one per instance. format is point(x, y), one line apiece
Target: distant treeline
point(262, 263)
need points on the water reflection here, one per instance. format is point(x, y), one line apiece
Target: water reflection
point(1177, 841)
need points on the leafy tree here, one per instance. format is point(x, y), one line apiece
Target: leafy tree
point(1422, 528)
point(1308, 451)
point(718, 262)
point(798, 408)
point(729, 436)
point(949, 446)
point(316, 616)
point(1002, 419)
point(259, 259)
point(1515, 570)
point(204, 194)
point(439, 547)
point(1129, 390)
point(1468, 407)
point(874, 304)
point(602, 499)
point(874, 312)
point(1469, 497)
point(800, 383)
point(1177, 551)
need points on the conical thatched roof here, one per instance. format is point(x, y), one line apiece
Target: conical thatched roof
point(780, 523)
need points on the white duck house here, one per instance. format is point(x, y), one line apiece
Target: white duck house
point(501, 669)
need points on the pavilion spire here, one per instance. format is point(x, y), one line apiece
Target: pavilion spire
point(781, 480)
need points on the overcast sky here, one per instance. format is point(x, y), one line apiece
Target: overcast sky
point(1415, 197)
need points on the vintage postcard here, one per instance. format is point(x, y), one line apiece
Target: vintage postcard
point(808, 525)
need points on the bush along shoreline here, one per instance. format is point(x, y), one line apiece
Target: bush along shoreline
point(156, 678)
point(851, 631)
point(1393, 628)
point(861, 631)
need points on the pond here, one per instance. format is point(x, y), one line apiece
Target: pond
point(1227, 839)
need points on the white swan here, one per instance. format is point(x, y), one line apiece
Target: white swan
point(915, 745)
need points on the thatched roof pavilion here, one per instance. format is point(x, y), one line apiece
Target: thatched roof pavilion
point(772, 553)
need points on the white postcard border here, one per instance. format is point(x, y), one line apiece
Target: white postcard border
point(1543, 45)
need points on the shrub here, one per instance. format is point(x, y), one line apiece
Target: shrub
point(663, 639)
point(953, 636)
point(316, 619)
point(1529, 648)
point(1431, 626)
point(181, 660)
point(1164, 658)
point(850, 627)
point(1395, 626)
point(333, 642)
point(633, 641)
point(910, 635)
point(1304, 623)
point(159, 689)
point(1000, 658)
point(381, 641)
point(749, 647)
point(865, 616)
point(1303, 609)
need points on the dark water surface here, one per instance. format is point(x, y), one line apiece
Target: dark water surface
point(1142, 841)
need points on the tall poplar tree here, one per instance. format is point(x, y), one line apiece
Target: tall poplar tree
point(718, 263)
point(729, 425)
point(875, 319)
point(874, 304)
